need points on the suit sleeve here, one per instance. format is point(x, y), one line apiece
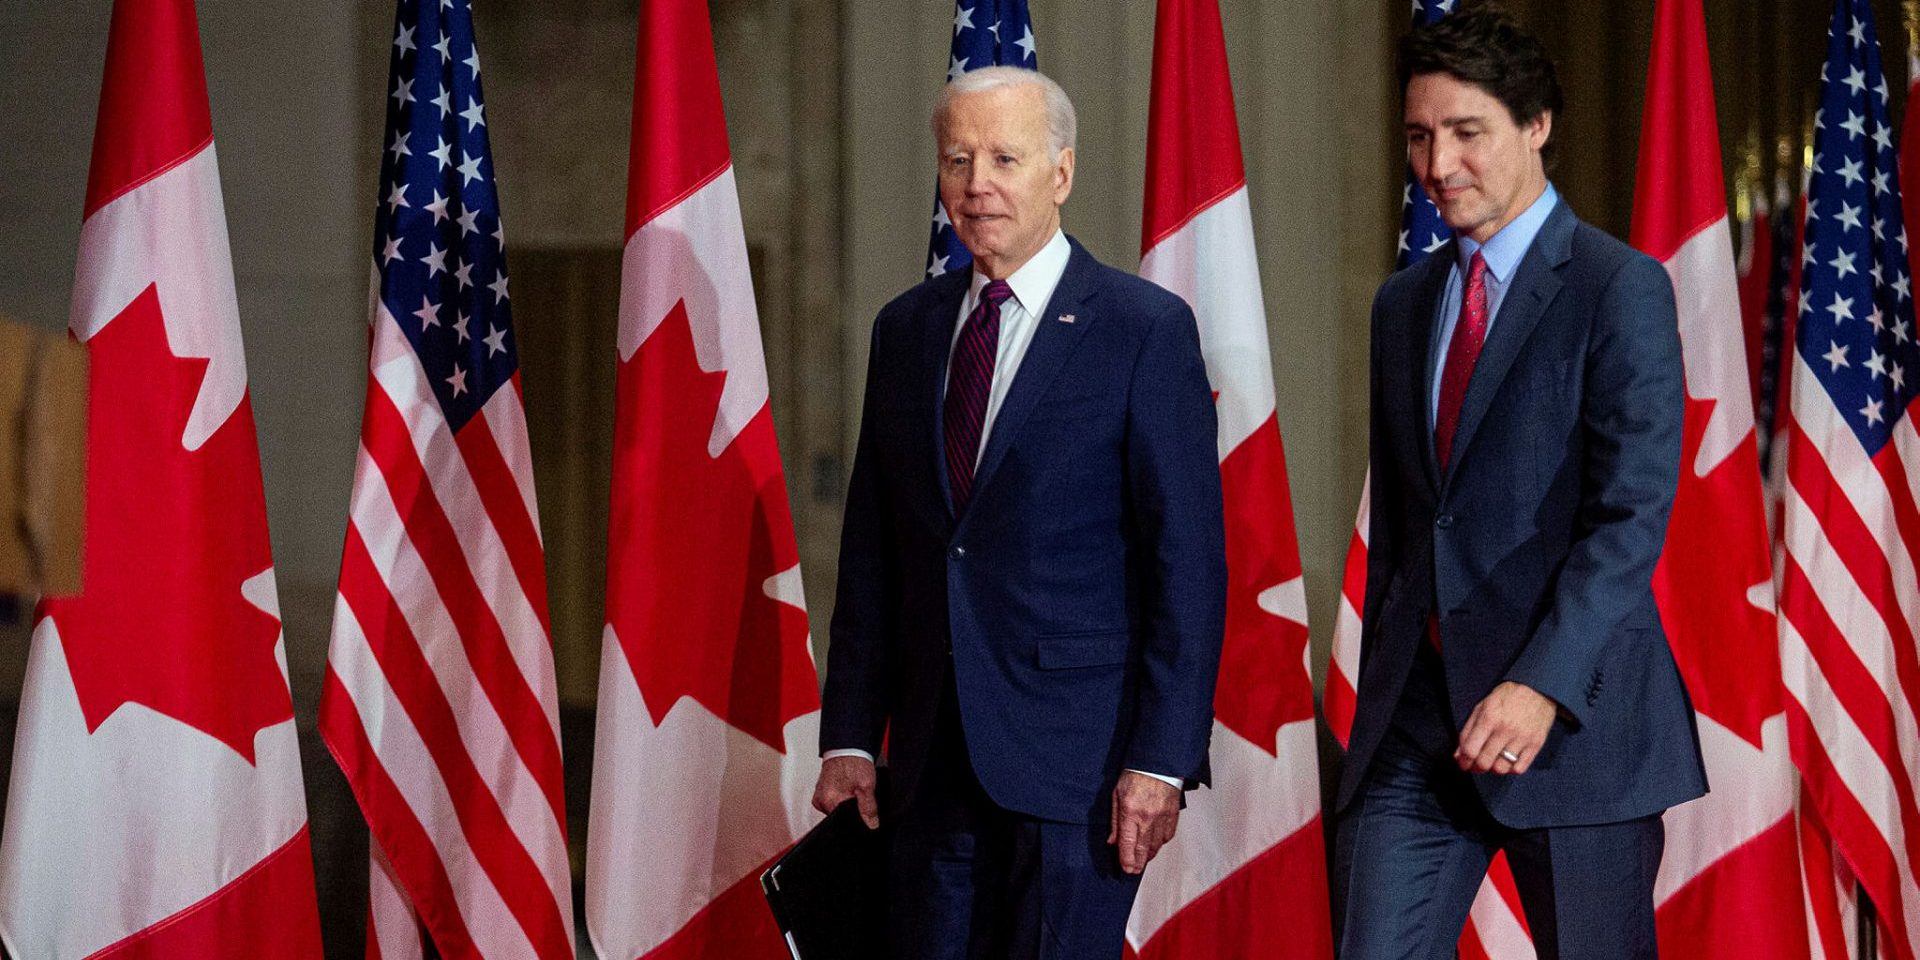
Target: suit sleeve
point(1631, 420)
point(853, 708)
point(1174, 501)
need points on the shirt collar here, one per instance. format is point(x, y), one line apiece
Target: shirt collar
point(1033, 283)
point(1505, 250)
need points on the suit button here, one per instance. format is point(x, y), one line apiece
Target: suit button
point(958, 553)
point(1443, 521)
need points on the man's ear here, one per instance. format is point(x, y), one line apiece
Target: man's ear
point(1540, 129)
point(1063, 176)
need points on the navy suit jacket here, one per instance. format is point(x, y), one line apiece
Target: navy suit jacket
point(1537, 548)
point(1079, 599)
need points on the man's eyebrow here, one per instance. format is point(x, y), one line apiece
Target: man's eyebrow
point(1450, 122)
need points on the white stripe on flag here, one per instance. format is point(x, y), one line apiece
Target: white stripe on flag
point(391, 923)
point(507, 421)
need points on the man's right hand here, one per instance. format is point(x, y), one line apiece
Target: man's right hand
point(843, 777)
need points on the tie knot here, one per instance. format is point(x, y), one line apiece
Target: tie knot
point(997, 292)
point(1477, 267)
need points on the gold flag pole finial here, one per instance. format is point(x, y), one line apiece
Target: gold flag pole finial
point(1806, 143)
point(1783, 168)
point(1746, 195)
point(1911, 11)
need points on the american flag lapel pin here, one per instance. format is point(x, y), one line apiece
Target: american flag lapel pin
point(1067, 318)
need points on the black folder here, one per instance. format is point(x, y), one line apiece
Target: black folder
point(829, 893)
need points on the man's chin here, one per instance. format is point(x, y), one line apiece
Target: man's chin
point(981, 241)
point(1462, 226)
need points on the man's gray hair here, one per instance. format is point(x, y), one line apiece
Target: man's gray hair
point(1062, 127)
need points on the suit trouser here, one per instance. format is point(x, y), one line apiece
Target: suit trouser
point(972, 881)
point(1414, 845)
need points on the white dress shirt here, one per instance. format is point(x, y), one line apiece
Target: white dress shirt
point(1503, 252)
point(1033, 285)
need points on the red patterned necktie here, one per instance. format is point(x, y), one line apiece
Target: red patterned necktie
point(969, 382)
point(1469, 335)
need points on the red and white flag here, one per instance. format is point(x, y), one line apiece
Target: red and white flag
point(162, 685)
point(704, 757)
point(1247, 874)
point(1729, 884)
point(440, 702)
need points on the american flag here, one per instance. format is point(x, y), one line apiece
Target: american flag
point(1848, 596)
point(440, 703)
point(986, 33)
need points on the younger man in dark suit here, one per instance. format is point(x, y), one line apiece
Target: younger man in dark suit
point(1516, 689)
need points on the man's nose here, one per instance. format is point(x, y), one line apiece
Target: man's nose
point(979, 179)
point(1442, 159)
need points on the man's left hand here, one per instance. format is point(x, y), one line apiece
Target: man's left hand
point(1145, 812)
point(1513, 721)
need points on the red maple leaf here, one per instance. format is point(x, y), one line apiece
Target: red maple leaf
point(171, 535)
point(1716, 551)
point(694, 539)
point(1263, 685)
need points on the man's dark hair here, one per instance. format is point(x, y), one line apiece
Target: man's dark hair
point(1483, 46)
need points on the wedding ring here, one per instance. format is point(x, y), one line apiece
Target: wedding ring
point(1509, 756)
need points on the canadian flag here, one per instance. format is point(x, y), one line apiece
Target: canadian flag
point(156, 808)
point(1246, 874)
point(704, 757)
point(1729, 883)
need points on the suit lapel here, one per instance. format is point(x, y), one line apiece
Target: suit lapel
point(1424, 341)
point(1052, 343)
point(942, 317)
point(1534, 286)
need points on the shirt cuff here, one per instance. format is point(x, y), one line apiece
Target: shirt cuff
point(848, 752)
point(1174, 782)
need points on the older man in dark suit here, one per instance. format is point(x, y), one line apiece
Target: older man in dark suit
point(1032, 573)
point(1516, 689)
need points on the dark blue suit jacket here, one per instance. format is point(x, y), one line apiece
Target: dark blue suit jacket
point(1537, 548)
point(1082, 592)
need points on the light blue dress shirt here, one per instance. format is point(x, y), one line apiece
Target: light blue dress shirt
point(1503, 253)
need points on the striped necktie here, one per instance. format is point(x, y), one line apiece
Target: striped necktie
point(969, 383)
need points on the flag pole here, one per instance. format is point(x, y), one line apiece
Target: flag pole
point(1867, 932)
